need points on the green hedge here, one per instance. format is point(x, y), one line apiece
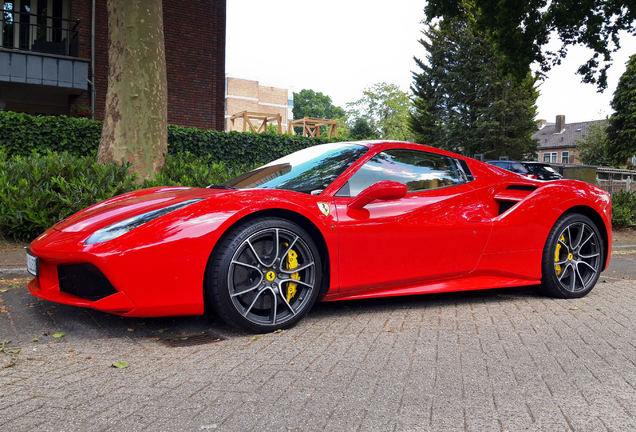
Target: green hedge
point(624, 209)
point(41, 189)
point(23, 134)
point(237, 148)
point(187, 169)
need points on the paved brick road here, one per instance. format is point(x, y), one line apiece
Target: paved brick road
point(480, 361)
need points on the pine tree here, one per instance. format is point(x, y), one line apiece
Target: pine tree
point(463, 104)
point(621, 133)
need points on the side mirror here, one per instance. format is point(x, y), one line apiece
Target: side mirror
point(383, 190)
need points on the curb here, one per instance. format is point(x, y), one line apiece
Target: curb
point(624, 247)
point(13, 272)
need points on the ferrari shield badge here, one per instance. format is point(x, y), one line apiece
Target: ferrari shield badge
point(324, 208)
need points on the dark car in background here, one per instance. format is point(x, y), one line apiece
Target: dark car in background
point(535, 170)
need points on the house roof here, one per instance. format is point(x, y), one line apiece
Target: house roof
point(549, 138)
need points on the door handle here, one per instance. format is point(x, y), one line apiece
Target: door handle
point(475, 219)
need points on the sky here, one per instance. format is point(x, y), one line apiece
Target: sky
point(341, 47)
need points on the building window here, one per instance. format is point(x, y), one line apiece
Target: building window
point(550, 157)
point(565, 157)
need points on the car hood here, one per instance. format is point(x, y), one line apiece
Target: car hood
point(131, 204)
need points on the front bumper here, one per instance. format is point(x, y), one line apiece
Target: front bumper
point(117, 303)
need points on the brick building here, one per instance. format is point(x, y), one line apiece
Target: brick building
point(48, 65)
point(558, 140)
point(246, 95)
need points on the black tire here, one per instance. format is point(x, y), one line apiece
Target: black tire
point(251, 279)
point(572, 257)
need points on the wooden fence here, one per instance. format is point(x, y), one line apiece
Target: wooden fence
point(614, 180)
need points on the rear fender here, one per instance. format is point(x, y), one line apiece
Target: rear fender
point(526, 225)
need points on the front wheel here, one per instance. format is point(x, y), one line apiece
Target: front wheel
point(265, 275)
point(572, 257)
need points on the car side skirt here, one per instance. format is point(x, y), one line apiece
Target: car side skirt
point(454, 285)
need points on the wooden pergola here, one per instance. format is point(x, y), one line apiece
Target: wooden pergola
point(311, 126)
point(263, 118)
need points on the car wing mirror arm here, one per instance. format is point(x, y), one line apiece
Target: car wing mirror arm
point(383, 190)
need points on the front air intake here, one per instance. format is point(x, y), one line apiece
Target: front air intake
point(85, 281)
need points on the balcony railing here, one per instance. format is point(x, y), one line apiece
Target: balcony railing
point(39, 33)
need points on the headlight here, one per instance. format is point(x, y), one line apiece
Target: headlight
point(121, 228)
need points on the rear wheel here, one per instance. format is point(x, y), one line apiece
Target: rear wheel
point(265, 275)
point(572, 257)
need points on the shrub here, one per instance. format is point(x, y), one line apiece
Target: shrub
point(39, 190)
point(22, 134)
point(187, 169)
point(236, 148)
point(624, 209)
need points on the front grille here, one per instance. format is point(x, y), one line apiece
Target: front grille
point(84, 280)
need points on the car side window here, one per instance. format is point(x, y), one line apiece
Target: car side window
point(519, 169)
point(416, 169)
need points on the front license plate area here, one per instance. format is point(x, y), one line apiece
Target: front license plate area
point(33, 265)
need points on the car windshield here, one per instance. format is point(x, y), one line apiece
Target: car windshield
point(541, 169)
point(308, 171)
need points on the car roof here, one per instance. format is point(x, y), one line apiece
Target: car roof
point(389, 144)
point(521, 162)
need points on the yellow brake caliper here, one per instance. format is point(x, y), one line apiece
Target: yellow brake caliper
point(292, 263)
point(557, 252)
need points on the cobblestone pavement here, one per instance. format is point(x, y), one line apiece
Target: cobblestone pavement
point(478, 361)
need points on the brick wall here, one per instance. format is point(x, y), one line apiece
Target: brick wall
point(248, 95)
point(81, 10)
point(272, 95)
point(573, 155)
point(195, 55)
point(194, 33)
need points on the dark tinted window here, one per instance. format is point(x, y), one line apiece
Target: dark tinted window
point(417, 170)
point(309, 171)
point(518, 168)
point(546, 170)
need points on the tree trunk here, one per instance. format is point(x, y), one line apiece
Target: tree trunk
point(136, 116)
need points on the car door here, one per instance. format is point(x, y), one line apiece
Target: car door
point(438, 230)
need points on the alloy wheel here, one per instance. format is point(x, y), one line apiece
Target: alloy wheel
point(577, 257)
point(272, 276)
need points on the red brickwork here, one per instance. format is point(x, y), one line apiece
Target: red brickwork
point(194, 33)
point(195, 56)
point(81, 10)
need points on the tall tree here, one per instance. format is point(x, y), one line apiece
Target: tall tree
point(136, 117)
point(621, 133)
point(462, 101)
point(522, 29)
point(385, 108)
point(308, 103)
point(362, 130)
point(593, 148)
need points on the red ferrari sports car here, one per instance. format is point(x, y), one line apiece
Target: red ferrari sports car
point(336, 221)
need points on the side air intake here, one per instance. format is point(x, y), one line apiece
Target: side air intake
point(512, 195)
